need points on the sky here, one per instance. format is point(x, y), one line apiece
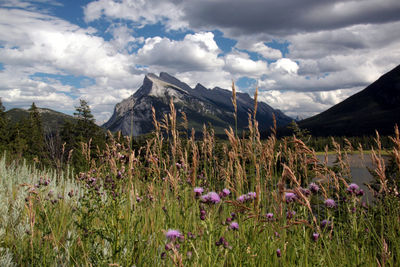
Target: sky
point(303, 55)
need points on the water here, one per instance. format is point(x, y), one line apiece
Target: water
point(359, 170)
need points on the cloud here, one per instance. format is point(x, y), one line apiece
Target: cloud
point(32, 42)
point(142, 12)
point(305, 104)
point(282, 18)
point(260, 48)
point(196, 52)
point(286, 64)
point(239, 63)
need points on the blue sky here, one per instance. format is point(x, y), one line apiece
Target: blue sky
point(304, 56)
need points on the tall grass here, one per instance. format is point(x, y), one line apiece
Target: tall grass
point(290, 208)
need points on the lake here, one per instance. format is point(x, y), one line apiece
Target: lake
point(358, 168)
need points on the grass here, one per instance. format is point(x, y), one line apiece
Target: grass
point(119, 211)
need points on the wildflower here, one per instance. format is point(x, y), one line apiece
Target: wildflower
point(290, 197)
point(241, 198)
point(360, 193)
point(315, 236)
point(234, 226)
point(211, 197)
point(191, 235)
point(172, 234)
point(220, 241)
point(270, 216)
point(353, 188)
point(233, 215)
point(225, 192)
point(228, 220)
point(168, 246)
point(306, 192)
point(330, 203)
point(314, 188)
point(326, 223)
point(251, 195)
point(278, 253)
point(290, 214)
point(198, 191)
point(189, 254)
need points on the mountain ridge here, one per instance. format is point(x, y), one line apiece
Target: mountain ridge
point(377, 107)
point(201, 106)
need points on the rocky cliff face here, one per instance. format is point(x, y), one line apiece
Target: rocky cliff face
point(201, 105)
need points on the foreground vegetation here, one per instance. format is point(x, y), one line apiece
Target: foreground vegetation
point(186, 202)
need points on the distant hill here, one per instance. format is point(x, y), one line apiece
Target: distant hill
point(201, 106)
point(375, 107)
point(52, 120)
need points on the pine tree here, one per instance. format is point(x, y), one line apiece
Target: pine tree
point(4, 128)
point(83, 130)
point(35, 136)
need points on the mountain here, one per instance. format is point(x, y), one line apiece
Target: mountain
point(52, 120)
point(201, 105)
point(375, 107)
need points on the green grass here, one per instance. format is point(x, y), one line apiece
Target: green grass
point(117, 213)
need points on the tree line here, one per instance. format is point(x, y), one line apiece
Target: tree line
point(71, 145)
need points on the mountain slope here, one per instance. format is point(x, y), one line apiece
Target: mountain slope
point(375, 107)
point(52, 120)
point(201, 105)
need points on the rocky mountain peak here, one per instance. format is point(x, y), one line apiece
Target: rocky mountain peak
point(201, 105)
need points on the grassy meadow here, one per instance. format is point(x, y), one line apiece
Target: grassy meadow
point(178, 201)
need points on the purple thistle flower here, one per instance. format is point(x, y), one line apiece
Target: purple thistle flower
point(270, 216)
point(315, 236)
point(220, 241)
point(198, 191)
point(241, 198)
point(290, 197)
point(234, 226)
point(172, 234)
point(211, 197)
point(278, 253)
point(306, 192)
point(360, 193)
point(251, 195)
point(191, 235)
point(330, 203)
point(326, 223)
point(314, 188)
point(225, 192)
point(352, 188)
point(168, 246)
point(290, 214)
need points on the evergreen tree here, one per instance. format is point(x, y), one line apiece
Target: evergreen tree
point(35, 136)
point(4, 128)
point(80, 132)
